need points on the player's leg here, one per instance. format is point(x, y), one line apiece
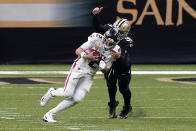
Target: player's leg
point(82, 87)
point(111, 81)
point(124, 78)
point(46, 97)
point(48, 117)
point(69, 88)
point(123, 83)
point(67, 91)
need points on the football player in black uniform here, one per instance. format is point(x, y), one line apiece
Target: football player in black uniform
point(121, 69)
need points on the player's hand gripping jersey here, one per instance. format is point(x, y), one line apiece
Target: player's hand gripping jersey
point(95, 42)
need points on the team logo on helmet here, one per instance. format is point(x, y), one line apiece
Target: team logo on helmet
point(123, 26)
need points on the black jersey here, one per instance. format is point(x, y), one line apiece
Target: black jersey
point(102, 28)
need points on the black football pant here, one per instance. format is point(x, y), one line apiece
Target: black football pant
point(123, 83)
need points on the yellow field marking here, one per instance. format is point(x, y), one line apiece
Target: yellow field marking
point(3, 83)
point(42, 80)
point(98, 77)
point(170, 80)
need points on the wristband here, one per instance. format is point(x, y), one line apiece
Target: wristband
point(82, 54)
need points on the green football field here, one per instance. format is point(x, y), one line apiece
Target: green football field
point(161, 102)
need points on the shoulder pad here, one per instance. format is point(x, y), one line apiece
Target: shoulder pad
point(128, 42)
point(96, 36)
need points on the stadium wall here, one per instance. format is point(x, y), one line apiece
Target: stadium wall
point(163, 31)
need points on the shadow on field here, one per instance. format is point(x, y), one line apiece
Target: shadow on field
point(137, 112)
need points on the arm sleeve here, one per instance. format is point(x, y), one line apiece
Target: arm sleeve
point(122, 57)
point(126, 56)
point(92, 39)
point(100, 28)
point(86, 45)
point(99, 3)
point(97, 25)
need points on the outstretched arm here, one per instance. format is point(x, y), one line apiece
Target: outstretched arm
point(96, 22)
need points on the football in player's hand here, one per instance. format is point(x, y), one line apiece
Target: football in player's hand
point(95, 53)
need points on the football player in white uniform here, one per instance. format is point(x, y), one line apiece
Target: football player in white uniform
point(80, 78)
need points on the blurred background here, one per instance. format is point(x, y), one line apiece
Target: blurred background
point(49, 31)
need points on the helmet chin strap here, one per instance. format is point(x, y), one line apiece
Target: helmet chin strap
point(106, 48)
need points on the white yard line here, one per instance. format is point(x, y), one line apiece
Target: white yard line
point(175, 99)
point(8, 108)
point(6, 87)
point(33, 94)
point(156, 87)
point(4, 129)
point(159, 107)
point(34, 72)
point(8, 118)
point(17, 115)
point(164, 72)
point(165, 117)
point(147, 117)
point(140, 107)
point(9, 113)
point(36, 87)
point(133, 72)
point(164, 87)
point(73, 128)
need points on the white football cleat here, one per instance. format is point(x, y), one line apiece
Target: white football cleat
point(48, 117)
point(44, 100)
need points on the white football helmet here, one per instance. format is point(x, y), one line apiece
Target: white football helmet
point(123, 26)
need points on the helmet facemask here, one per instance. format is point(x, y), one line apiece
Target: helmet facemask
point(111, 38)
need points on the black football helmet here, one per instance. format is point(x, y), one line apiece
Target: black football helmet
point(113, 35)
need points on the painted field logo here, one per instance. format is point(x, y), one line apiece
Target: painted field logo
point(183, 6)
point(183, 80)
point(30, 80)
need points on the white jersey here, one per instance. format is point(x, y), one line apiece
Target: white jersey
point(80, 78)
point(96, 42)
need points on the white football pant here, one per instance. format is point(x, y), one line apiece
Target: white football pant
point(76, 87)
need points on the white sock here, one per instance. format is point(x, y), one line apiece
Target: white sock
point(62, 106)
point(58, 92)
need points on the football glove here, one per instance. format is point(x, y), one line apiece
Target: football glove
point(102, 65)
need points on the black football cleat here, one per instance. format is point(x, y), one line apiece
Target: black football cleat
point(112, 109)
point(125, 111)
